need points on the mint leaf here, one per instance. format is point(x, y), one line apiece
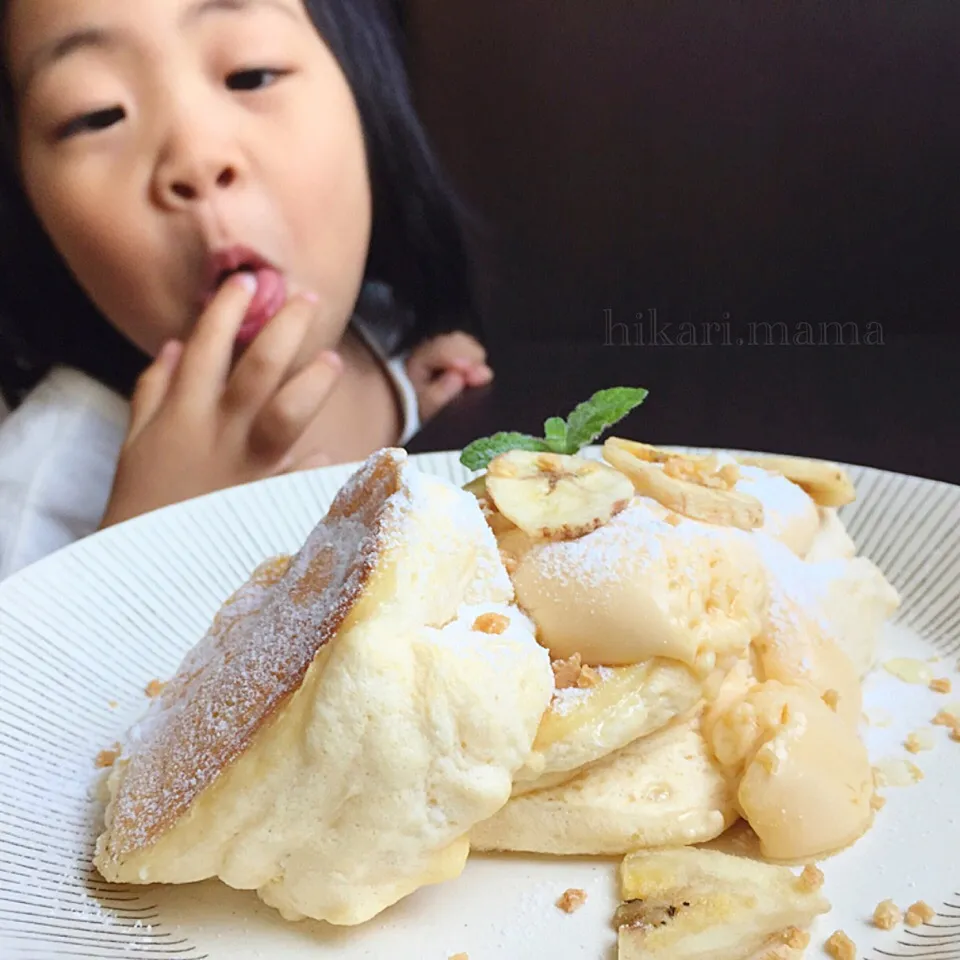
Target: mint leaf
point(477, 455)
point(555, 431)
point(599, 413)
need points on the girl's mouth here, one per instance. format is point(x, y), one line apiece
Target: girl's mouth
point(270, 295)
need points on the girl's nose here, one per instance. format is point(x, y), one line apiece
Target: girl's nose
point(197, 162)
point(190, 188)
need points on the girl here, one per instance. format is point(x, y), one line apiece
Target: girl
point(200, 200)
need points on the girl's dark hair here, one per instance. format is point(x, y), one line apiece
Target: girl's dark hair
point(418, 245)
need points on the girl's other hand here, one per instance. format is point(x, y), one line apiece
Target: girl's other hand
point(442, 368)
point(199, 423)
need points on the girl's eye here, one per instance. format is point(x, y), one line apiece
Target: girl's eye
point(256, 79)
point(91, 122)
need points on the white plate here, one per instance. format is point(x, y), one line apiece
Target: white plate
point(83, 632)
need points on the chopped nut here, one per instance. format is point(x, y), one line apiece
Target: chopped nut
point(567, 672)
point(494, 623)
point(887, 915)
point(811, 878)
point(877, 802)
point(154, 688)
point(572, 900)
point(919, 913)
point(946, 719)
point(674, 519)
point(955, 734)
point(729, 474)
point(589, 677)
point(796, 939)
point(831, 698)
point(107, 758)
point(841, 947)
point(941, 685)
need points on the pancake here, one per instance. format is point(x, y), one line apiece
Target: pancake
point(662, 790)
point(350, 715)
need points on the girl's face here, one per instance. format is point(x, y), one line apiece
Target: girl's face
point(165, 141)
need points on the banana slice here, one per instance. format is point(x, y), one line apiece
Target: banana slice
point(584, 725)
point(692, 486)
point(689, 904)
point(827, 484)
point(555, 497)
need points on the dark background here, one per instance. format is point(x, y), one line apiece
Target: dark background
point(753, 161)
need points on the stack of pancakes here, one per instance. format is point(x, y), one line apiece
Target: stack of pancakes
point(429, 675)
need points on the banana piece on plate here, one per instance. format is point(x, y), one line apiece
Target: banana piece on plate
point(690, 904)
point(616, 706)
point(826, 483)
point(693, 486)
point(662, 790)
point(551, 496)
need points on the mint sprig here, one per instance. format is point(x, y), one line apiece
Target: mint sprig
point(584, 425)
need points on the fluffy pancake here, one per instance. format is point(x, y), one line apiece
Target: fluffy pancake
point(347, 720)
point(662, 790)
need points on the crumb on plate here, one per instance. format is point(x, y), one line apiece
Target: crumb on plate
point(113, 704)
point(919, 913)
point(492, 623)
point(572, 900)
point(107, 758)
point(459, 956)
point(840, 947)
point(941, 685)
point(887, 915)
point(946, 719)
point(811, 878)
point(877, 802)
point(154, 688)
point(916, 743)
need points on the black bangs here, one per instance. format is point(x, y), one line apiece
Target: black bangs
point(418, 248)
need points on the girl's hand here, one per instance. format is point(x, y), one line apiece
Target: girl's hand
point(200, 424)
point(442, 368)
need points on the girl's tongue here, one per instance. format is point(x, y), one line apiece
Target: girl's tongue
point(270, 296)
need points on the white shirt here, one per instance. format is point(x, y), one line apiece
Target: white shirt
point(59, 452)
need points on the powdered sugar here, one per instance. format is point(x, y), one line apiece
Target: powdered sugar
point(569, 698)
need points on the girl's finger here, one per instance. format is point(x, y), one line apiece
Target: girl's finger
point(153, 386)
point(283, 420)
point(208, 354)
point(265, 365)
point(439, 393)
point(479, 376)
